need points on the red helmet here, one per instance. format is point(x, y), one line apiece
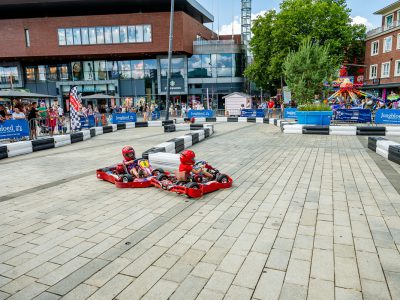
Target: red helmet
point(119, 169)
point(128, 153)
point(187, 157)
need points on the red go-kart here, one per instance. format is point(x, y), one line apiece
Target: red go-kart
point(197, 185)
point(120, 176)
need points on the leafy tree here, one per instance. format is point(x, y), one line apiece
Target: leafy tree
point(307, 69)
point(276, 34)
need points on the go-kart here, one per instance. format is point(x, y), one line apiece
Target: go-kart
point(120, 176)
point(197, 185)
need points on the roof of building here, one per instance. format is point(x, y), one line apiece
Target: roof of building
point(12, 9)
point(388, 8)
point(237, 94)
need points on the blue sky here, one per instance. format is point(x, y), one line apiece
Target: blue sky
point(227, 10)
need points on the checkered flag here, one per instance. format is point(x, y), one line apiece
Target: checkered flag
point(75, 106)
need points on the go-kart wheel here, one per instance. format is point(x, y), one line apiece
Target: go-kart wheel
point(127, 178)
point(222, 178)
point(162, 177)
point(193, 185)
point(157, 172)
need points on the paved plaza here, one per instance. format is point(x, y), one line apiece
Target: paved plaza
point(308, 217)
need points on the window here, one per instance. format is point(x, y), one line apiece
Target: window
point(92, 36)
point(375, 48)
point(85, 36)
point(147, 33)
point(131, 34)
point(224, 65)
point(27, 38)
point(107, 35)
point(123, 34)
point(139, 34)
point(373, 72)
point(61, 37)
point(9, 75)
point(77, 36)
point(115, 35)
point(30, 74)
point(397, 68)
point(389, 21)
point(69, 37)
point(100, 35)
point(385, 70)
point(387, 44)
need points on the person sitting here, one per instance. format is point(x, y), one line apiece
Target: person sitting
point(18, 114)
point(130, 161)
point(186, 167)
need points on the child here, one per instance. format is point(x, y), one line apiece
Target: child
point(130, 160)
point(186, 166)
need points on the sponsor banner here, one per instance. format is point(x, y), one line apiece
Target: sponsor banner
point(354, 115)
point(155, 115)
point(203, 113)
point(290, 113)
point(252, 113)
point(124, 118)
point(387, 116)
point(14, 129)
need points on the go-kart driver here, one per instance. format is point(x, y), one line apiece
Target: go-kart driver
point(186, 167)
point(130, 160)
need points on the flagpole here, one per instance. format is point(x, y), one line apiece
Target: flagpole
point(171, 40)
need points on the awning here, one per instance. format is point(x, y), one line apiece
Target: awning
point(22, 94)
point(99, 96)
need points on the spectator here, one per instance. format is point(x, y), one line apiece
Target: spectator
point(60, 111)
point(2, 113)
point(18, 114)
point(145, 112)
point(271, 106)
point(43, 111)
point(32, 116)
point(171, 110)
point(52, 120)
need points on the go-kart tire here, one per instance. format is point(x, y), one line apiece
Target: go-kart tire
point(222, 178)
point(127, 178)
point(162, 177)
point(193, 185)
point(157, 172)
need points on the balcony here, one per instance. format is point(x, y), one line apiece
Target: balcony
point(213, 42)
point(383, 29)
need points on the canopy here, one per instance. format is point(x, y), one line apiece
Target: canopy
point(22, 94)
point(99, 96)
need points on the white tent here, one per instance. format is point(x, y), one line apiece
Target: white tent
point(235, 102)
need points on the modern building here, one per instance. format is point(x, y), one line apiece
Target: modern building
point(117, 48)
point(382, 58)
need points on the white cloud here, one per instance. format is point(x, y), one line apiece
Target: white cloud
point(363, 21)
point(227, 28)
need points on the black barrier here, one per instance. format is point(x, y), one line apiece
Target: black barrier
point(179, 144)
point(141, 124)
point(42, 144)
point(121, 126)
point(3, 152)
point(372, 141)
point(323, 130)
point(266, 121)
point(169, 128)
point(232, 119)
point(207, 132)
point(275, 122)
point(76, 137)
point(251, 120)
point(168, 122)
point(145, 154)
point(92, 132)
point(195, 138)
point(394, 154)
point(211, 119)
point(196, 126)
point(107, 129)
point(369, 130)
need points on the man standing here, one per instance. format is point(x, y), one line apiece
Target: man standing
point(32, 116)
point(271, 105)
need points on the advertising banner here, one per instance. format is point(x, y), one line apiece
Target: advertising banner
point(14, 129)
point(155, 115)
point(252, 113)
point(290, 113)
point(387, 116)
point(354, 115)
point(124, 118)
point(203, 113)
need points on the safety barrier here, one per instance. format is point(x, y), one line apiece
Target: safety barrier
point(19, 148)
point(386, 148)
point(43, 144)
point(392, 131)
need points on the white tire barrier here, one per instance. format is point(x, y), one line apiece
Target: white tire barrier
point(155, 123)
point(343, 130)
point(62, 140)
point(99, 130)
point(86, 134)
point(19, 148)
point(392, 131)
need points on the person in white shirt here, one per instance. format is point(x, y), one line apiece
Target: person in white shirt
point(60, 111)
point(18, 115)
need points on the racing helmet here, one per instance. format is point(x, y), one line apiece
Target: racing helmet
point(187, 157)
point(128, 152)
point(119, 169)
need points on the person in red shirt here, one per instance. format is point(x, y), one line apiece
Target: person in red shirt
point(271, 106)
point(186, 166)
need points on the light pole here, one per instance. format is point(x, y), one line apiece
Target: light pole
point(171, 41)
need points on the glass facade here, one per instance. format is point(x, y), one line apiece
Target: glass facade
point(104, 35)
point(215, 65)
point(9, 75)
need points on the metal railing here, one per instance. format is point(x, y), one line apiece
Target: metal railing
point(383, 29)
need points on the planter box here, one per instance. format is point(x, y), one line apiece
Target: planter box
point(314, 117)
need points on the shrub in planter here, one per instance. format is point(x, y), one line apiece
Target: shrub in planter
point(314, 114)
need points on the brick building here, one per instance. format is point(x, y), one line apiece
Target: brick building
point(117, 48)
point(382, 58)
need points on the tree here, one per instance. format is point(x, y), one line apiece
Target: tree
point(307, 69)
point(276, 34)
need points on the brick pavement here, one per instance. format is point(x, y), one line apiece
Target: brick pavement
point(309, 217)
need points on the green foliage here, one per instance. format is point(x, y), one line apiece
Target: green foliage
point(276, 34)
point(314, 107)
point(307, 69)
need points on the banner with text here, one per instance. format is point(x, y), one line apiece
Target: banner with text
point(354, 115)
point(253, 113)
point(203, 113)
point(14, 129)
point(387, 116)
point(124, 118)
point(290, 113)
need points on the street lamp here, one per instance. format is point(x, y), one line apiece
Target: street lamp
point(171, 40)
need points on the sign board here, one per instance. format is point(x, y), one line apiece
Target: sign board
point(124, 118)
point(354, 115)
point(177, 85)
point(387, 116)
point(290, 113)
point(156, 115)
point(14, 129)
point(287, 94)
point(203, 113)
point(252, 113)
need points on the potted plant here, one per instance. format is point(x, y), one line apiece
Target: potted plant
point(305, 72)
